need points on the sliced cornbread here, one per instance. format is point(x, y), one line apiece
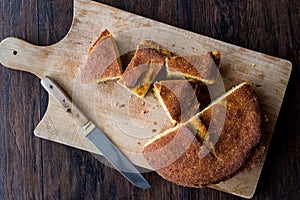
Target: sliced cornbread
point(213, 145)
point(202, 67)
point(103, 61)
point(143, 68)
point(178, 98)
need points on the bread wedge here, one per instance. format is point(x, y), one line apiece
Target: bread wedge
point(143, 67)
point(103, 61)
point(203, 151)
point(202, 67)
point(178, 98)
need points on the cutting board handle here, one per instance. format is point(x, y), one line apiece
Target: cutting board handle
point(20, 55)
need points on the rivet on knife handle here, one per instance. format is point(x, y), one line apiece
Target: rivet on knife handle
point(71, 108)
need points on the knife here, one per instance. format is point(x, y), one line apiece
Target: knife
point(96, 136)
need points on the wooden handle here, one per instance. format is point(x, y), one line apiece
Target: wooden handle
point(20, 55)
point(62, 98)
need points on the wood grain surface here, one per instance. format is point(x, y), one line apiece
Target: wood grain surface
point(31, 171)
point(109, 105)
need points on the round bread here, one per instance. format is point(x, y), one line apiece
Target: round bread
point(229, 147)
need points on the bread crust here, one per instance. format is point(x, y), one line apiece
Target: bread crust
point(238, 139)
point(178, 98)
point(202, 67)
point(103, 61)
point(142, 69)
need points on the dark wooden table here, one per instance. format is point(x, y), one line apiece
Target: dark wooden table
point(32, 168)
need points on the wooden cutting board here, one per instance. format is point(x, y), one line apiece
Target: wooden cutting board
point(128, 121)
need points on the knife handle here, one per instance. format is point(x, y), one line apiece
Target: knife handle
point(63, 99)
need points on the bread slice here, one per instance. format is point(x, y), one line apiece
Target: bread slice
point(157, 47)
point(143, 68)
point(182, 158)
point(202, 67)
point(178, 98)
point(103, 61)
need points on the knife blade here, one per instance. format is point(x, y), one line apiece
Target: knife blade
point(96, 136)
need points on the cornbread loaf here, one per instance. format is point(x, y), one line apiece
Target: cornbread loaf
point(212, 146)
point(103, 61)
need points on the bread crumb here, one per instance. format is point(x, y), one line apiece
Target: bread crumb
point(254, 64)
point(144, 111)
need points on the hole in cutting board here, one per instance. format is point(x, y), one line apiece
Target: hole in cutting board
point(15, 53)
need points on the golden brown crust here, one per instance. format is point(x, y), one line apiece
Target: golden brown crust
point(169, 148)
point(145, 55)
point(142, 70)
point(178, 98)
point(157, 47)
point(239, 136)
point(104, 34)
point(260, 148)
point(255, 156)
point(203, 67)
point(103, 62)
